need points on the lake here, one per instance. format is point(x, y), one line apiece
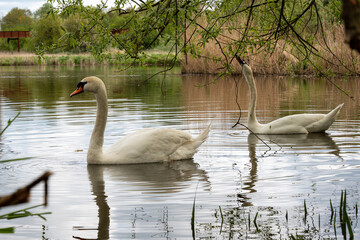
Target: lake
point(238, 187)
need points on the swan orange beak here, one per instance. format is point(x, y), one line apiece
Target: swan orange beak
point(77, 91)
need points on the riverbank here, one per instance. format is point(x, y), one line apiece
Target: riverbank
point(28, 59)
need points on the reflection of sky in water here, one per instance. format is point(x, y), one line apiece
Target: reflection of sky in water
point(232, 169)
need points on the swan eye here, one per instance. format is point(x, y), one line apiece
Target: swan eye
point(81, 85)
point(79, 89)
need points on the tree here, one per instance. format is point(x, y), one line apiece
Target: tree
point(17, 20)
point(143, 25)
point(72, 26)
point(43, 10)
point(352, 23)
point(242, 27)
point(47, 32)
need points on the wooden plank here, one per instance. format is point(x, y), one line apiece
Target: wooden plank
point(14, 34)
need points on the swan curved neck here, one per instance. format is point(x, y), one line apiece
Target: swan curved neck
point(253, 96)
point(97, 137)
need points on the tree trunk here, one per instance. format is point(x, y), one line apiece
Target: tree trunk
point(351, 16)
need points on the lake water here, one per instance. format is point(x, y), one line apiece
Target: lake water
point(232, 178)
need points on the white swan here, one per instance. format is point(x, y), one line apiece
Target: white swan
point(144, 146)
point(292, 124)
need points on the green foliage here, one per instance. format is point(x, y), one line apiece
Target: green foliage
point(46, 32)
point(245, 28)
point(43, 11)
point(17, 20)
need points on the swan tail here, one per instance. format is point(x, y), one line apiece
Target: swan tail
point(335, 112)
point(324, 123)
point(204, 135)
point(189, 148)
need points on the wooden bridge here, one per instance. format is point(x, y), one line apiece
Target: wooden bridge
point(15, 35)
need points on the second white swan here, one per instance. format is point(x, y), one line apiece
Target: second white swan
point(292, 124)
point(144, 146)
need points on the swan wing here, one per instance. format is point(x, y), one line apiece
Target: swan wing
point(146, 146)
point(292, 124)
point(301, 123)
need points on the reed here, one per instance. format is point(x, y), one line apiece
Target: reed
point(24, 213)
point(305, 211)
point(20, 214)
point(10, 121)
point(333, 55)
point(15, 159)
point(243, 221)
point(192, 221)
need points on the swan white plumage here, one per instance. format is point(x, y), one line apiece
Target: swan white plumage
point(144, 146)
point(292, 124)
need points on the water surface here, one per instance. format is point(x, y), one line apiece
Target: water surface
point(233, 175)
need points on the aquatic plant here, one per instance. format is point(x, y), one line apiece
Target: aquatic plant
point(22, 195)
point(24, 213)
point(238, 222)
point(193, 215)
point(20, 214)
point(10, 121)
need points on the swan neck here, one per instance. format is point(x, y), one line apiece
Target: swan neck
point(253, 97)
point(97, 137)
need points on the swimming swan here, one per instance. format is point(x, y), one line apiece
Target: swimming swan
point(144, 146)
point(292, 124)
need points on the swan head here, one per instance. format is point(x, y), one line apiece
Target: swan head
point(245, 66)
point(241, 61)
point(89, 84)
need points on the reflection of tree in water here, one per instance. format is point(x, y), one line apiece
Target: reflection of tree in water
point(154, 178)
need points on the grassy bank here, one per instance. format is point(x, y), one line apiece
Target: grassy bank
point(26, 59)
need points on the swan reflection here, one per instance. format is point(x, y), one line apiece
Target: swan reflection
point(154, 178)
point(298, 143)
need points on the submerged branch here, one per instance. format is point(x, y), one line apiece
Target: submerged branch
point(22, 195)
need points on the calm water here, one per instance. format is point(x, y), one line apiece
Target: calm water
point(234, 175)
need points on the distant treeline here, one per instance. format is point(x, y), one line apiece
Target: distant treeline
point(49, 30)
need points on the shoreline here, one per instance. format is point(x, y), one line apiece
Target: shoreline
point(65, 59)
point(152, 58)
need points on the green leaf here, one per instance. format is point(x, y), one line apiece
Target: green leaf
point(7, 230)
point(16, 159)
